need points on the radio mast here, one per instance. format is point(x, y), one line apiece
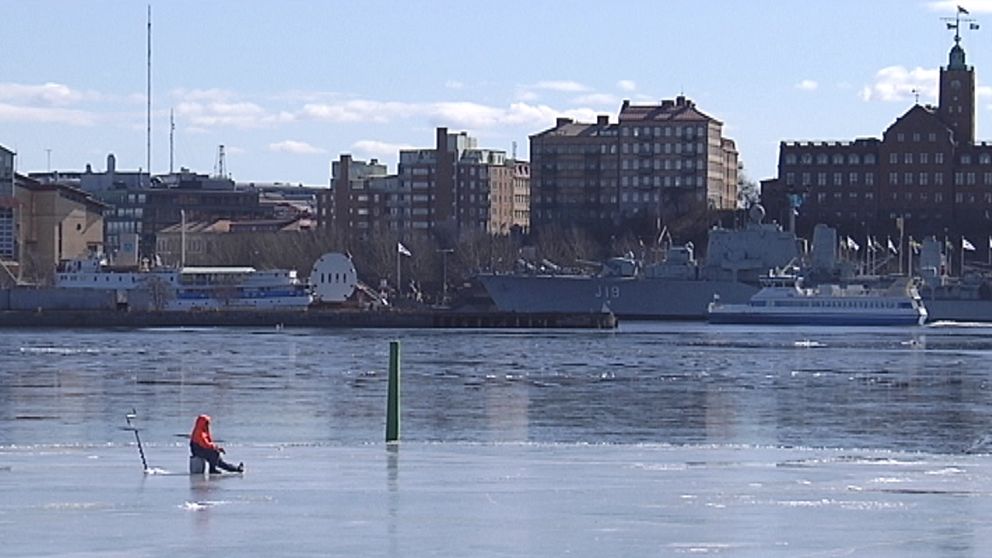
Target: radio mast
point(172, 137)
point(148, 108)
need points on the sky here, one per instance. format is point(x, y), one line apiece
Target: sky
point(288, 86)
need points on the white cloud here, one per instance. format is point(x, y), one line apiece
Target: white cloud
point(897, 83)
point(970, 5)
point(565, 86)
point(360, 110)
point(626, 85)
point(241, 114)
point(46, 115)
point(46, 93)
point(596, 99)
point(807, 85)
point(378, 149)
point(526, 95)
point(453, 113)
point(212, 95)
point(295, 147)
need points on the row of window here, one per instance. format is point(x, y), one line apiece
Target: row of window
point(822, 197)
point(666, 131)
point(659, 181)
point(128, 211)
point(936, 197)
point(824, 159)
point(895, 158)
point(666, 148)
point(806, 179)
point(123, 226)
point(661, 164)
point(924, 158)
point(917, 136)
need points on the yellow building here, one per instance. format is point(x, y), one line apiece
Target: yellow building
point(55, 223)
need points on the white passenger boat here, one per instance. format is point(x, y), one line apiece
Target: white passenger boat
point(783, 300)
point(191, 288)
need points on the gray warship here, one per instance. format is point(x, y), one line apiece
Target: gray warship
point(678, 287)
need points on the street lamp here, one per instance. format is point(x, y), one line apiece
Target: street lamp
point(444, 273)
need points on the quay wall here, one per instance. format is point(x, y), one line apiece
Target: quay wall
point(308, 319)
point(50, 298)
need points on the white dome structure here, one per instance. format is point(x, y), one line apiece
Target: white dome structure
point(333, 278)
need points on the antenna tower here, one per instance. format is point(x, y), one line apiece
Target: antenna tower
point(221, 170)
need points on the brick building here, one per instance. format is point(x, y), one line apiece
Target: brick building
point(454, 185)
point(926, 172)
point(659, 161)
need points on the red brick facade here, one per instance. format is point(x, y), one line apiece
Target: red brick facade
point(926, 170)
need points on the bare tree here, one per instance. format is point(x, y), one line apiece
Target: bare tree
point(160, 291)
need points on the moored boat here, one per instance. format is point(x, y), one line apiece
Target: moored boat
point(679, 287)
point(189, 288)
point(783, 300)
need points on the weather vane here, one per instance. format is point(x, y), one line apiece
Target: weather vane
point(916, 93)
point(956, 21)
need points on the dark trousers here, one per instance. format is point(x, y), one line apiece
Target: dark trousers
point(212, 457)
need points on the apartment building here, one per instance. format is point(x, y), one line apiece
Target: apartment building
point(454, 186)
point(657, 162)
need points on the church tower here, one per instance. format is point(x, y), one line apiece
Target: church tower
point(957, 92)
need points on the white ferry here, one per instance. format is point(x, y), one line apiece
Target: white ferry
point(191, 288)
point(783, 300)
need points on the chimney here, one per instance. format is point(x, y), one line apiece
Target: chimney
point(561, 121)
point(680, 100)
point(626, 103)
point(603, 120)
point(667, 104)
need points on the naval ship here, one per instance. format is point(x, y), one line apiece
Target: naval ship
point(679, 287)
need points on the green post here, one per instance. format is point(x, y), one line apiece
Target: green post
point(393, 398)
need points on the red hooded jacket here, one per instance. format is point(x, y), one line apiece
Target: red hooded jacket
point(201, 433)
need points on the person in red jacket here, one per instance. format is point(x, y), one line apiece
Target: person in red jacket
point(202, 445)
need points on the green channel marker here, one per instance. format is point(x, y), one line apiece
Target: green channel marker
point(393, 398)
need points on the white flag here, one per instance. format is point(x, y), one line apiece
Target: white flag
point(892, 247)
point(967, 245)
point(853, 245)
point(402, 249)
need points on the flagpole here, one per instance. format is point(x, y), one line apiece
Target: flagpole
point(399, 289)
point(909, 257)
point(902, 228)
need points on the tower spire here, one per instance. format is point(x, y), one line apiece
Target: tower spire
point(957, 53)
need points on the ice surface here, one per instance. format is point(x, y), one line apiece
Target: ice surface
point(654, 440)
